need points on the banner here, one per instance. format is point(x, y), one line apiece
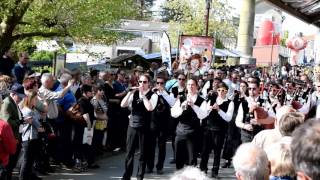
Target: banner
point(165, 48)
point(190, 45)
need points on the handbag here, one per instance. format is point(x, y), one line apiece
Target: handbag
point(101, 118)
point(74, 114)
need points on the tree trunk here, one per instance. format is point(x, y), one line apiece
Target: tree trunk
point(6, 42)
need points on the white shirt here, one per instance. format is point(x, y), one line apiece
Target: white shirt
point(153, 100)
point(201, 111)
point(250, 101)
point(170, 100)
point(227, 116)
point(205, 88)
point(313, 100)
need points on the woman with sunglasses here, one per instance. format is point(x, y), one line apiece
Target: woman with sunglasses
point(178, 92)
point(189, 113)
point(141, 101)
point(220, 110)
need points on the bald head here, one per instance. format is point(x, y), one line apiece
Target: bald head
point(251, 163)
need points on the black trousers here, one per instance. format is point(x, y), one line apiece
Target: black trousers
point(212, 140)
point(135, 135)
point(233, 140)
point(155, 136)
point(30, 149)
point(13, 160)
point(185, 150)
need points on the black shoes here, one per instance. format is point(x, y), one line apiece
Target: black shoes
point(149, 171)
point(159, 171)
point(227, 164)
point(173, 161)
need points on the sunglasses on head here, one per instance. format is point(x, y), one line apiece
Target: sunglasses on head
point(144, 82)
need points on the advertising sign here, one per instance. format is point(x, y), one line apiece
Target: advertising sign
point(190, 45)
point(165, 48)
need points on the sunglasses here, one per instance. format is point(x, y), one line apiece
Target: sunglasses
point(253, 89)
point(180, 79)
point(222, 90)
point(210, 74)
point(144, 82)
point(160, 82)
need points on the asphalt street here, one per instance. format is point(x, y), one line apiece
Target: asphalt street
point(112, 166)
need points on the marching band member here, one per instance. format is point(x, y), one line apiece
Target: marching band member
point(220, 110)
point(210, 87)
point(178, 92)
point(233, 139)
point(159, 125)
point(245, 119)
point(311, 108)
point(142, 101)
point(189, 114)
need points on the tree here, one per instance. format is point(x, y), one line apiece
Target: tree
point(81, 19)
point(144, 8)
point(188, 17)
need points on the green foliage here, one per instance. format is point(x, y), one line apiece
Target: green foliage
point(24, 45)
point(80, 19)
point(284, 38)
point(187, 17)
point(176, 10)
point(42, 56)
point(42, 69)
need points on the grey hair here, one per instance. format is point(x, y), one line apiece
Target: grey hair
point(45, 77)
point(64, 78)
point(251, 162)
point(189, 173)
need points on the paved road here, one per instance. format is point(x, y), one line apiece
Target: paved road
point(112, 168)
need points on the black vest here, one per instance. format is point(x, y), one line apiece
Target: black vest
point(189, 121)
point(140, 116)
point(175, 92)
point(248, 116)
point(160, 115)
point(214, 120)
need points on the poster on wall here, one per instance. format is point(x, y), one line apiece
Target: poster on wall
point(165, 48)
point(191, 45)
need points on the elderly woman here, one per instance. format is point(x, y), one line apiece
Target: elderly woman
point(279, 155)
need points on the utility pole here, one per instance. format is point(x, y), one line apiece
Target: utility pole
point(272, 32)
point(208, 4)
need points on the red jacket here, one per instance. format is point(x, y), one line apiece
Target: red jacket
point(8, 142)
